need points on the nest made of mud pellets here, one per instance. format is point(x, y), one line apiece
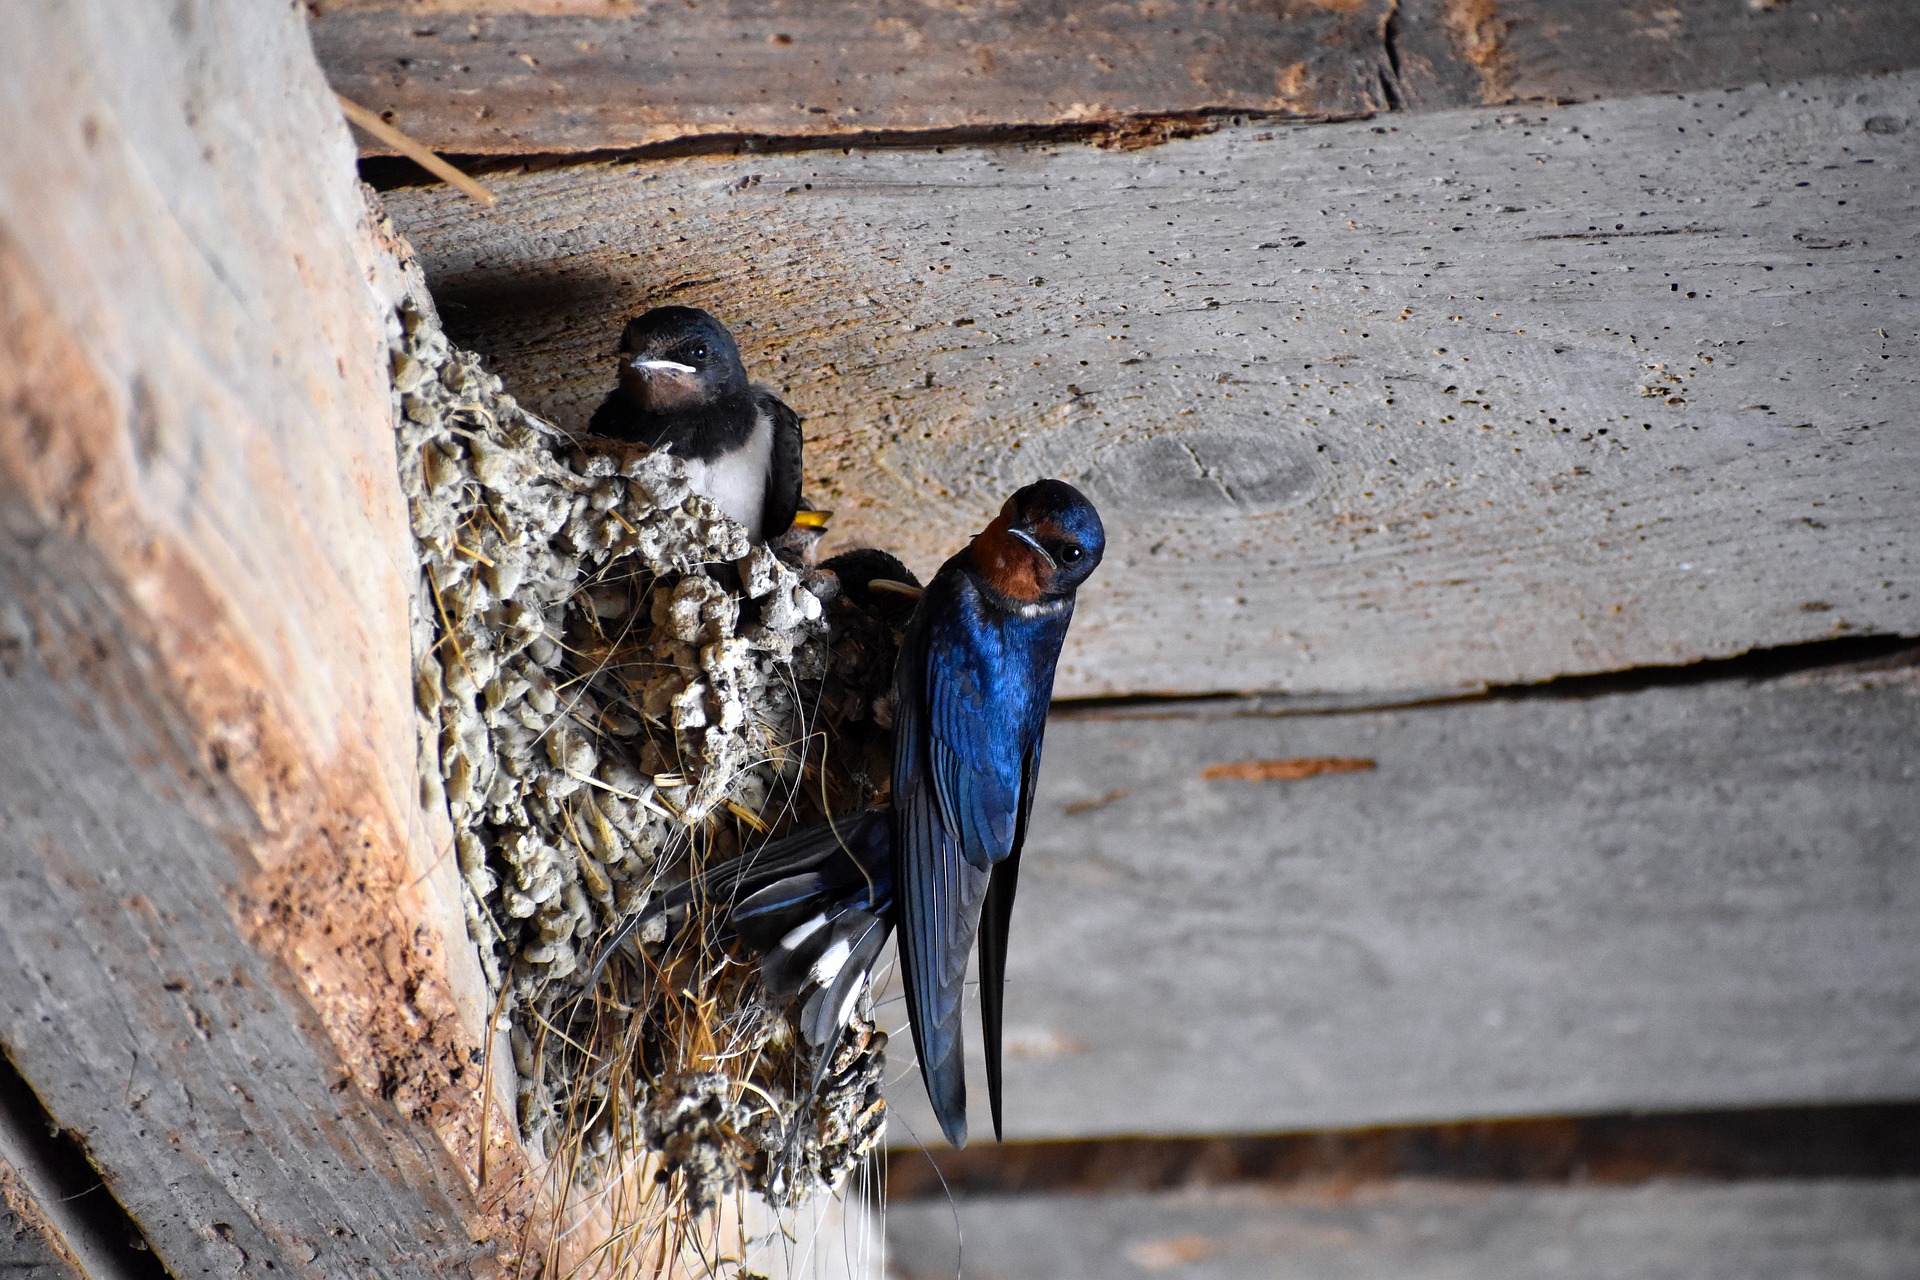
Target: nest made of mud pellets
point(616, 687)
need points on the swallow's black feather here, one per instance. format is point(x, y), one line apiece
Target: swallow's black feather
point(995, 919)
point(828, 869)
point(783, 479)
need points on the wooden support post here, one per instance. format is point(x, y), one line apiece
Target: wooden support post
point(231, 959)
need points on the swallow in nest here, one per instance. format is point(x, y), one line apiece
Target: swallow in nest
point(682, 387)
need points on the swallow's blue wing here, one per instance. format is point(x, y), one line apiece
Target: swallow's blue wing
point(971, 703)
point(939, 890)
point(986, 703)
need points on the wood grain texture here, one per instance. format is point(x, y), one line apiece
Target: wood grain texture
point(1571, 49)
point(1683, 897)
point(481, 77)
point(31, 1247)
point(1840, 1229)
point(188, 1063)
point(568, 78)
point(1475, 398)
point(235, 964)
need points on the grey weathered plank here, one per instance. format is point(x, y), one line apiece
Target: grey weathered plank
point(543, 78)
point(202, 1085)
point(1838, 1230)
point(1472, 398)
point(467, 79)
point(234, 963)
point(1676, 898)
point(1562, 49)
point(31, 1247)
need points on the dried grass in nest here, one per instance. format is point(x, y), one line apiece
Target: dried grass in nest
point(616, 689)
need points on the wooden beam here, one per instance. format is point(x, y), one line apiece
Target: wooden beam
point(57, 1218)
point(1684, 897)
point(234, 965)
point(575, 78)
point(1474, 398)
point(1419, 1231)
point(561, 76)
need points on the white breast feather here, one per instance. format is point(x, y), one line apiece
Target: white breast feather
point(737, 483)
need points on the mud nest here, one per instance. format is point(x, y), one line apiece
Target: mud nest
point(616, 688)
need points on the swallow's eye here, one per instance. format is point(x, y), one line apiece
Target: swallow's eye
point(1071, 554)
point(699, 353)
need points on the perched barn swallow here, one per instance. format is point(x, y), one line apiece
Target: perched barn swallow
point(970, 705)
point(971, 688)
point(683, 388)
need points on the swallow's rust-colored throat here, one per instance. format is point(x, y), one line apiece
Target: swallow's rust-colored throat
point(1010, 566)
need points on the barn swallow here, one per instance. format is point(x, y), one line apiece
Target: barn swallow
point(971, 690)
point(683, 388)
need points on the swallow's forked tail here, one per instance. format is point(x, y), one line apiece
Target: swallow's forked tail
point(817, 906)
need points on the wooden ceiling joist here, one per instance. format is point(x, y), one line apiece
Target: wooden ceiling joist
point(569, 76)
point(1680, 897)
point(1477, 398)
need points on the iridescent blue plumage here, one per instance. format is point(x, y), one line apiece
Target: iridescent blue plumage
point(970, 704)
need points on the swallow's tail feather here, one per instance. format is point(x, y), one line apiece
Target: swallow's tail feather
point(830, 868)
point(819, 910)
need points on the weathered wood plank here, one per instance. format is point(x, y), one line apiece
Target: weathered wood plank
point(1481, 399)
point(30, 1246)
point(1683, 897)
point(464, 78)
point(1570, 49)
point(563, 76)
point(201, 1084)
point(1860, 1230)
point(234, 960)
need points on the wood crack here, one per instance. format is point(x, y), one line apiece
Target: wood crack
point(1864, 654)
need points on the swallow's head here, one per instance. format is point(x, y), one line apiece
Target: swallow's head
point(678, 358)
point(1045, 542)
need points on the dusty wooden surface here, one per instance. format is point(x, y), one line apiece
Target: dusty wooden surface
point(1561, 49)
point(31, 1247)
point(583, 78)
point(1480, 397)
point(1838, 1230)
point(197, 1076)
point(1683, 897)
point(233, 963)
point(552, 76)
